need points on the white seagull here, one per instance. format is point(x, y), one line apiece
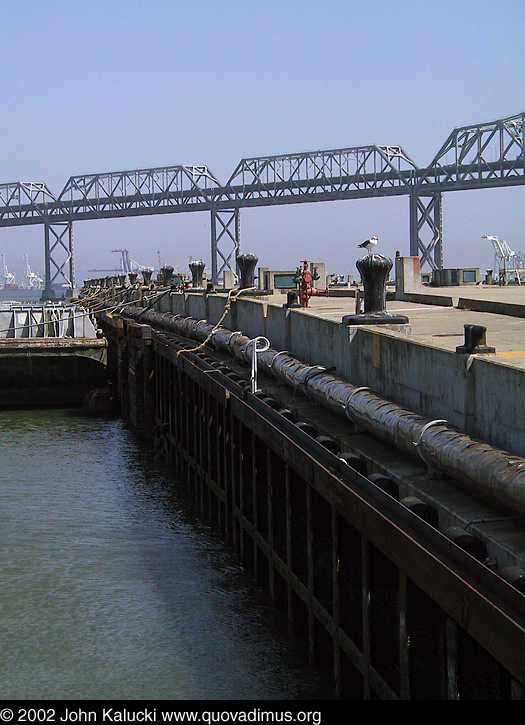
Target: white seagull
point(369, 244)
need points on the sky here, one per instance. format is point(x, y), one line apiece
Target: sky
point(111, 85)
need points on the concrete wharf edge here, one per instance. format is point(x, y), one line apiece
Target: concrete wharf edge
point(192, 305)
point(418, 368)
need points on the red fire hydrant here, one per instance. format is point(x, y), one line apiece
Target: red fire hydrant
point(304, 277)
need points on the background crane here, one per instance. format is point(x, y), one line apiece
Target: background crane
point(126, 264)
point(506, 261)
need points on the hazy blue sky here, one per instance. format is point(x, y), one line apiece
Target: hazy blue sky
point(108, 85)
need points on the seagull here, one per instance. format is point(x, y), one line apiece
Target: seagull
point(369, 244)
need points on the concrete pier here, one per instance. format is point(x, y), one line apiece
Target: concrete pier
point(402, 582)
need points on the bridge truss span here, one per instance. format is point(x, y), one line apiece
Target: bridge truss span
point(138, 192)
point(473, 157)
point(23, 203)
point(320, 176)
point(484, 155)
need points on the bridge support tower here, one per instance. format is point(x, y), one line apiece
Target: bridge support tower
point(426, 228)
point(59, 258)
point(225, 230)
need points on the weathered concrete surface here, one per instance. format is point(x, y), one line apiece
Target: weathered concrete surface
point(443, 325)
point(502, 308)
point(484, 395)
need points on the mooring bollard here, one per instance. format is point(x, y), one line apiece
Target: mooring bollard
point(475, 341)
point(246, 264)
point(374, 270)
point(197, 273)
point(166, 274)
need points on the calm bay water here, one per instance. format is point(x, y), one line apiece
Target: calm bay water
point(110, 588)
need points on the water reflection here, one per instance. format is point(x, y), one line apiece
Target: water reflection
point(110, 586)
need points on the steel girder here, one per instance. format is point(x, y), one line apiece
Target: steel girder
point(473, 157)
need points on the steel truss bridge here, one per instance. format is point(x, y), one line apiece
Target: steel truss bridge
point(479, 156)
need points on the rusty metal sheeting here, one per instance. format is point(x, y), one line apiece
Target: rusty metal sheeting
point(480, 467)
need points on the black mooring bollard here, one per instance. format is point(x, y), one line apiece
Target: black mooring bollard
point(475, 341)
point(197, 273)
point(374, 270)
point(246, 263)
point(291, 299)
point(166, 273)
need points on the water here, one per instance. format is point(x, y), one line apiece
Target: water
point(110, 588)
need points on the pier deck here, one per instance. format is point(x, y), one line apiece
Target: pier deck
point(442, 325)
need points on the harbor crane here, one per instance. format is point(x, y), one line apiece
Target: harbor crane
point(33, 281)
point(8, 279)
point(126, 264)
point(506, 260)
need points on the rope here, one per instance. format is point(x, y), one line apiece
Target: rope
point(218, 324)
